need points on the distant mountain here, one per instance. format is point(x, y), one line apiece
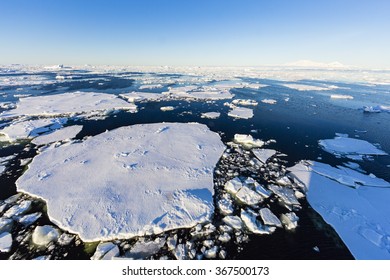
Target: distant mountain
point(315, 64)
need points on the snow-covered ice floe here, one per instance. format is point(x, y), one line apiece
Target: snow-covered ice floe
point(352, 148)
point(140, 96)
point(68, 104)
point(241, 113)
point(211, 115)
point(58, 135)
point(304, 87)
point(248, 141)
point(359, 214)
point(31, 128)
point(376, 109)
point(193, 92)
point(167, 108)
point(245, 102)
point(131, 181)
point(341, 96)
point(269, 101)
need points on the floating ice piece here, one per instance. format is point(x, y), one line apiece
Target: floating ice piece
point(68, 104)
point(6, 224)
point(150, 86)
point(269, 101)
point(233, 221)
point(211, 115)
point(359, 215)
point(263, 154)
point(247, 196)
point(65, 239)
point(225, 206)
point(289, 220)
point(172, 242)
point(248, 141)
point(102, 249)
point(211, 253)
point(245, 102)
point(182, 154)
point(58, 135)
point(345, 146)
point(143, 249)
point(194, 93)
point(241, 113)
point(269, 218)
point(140, 96)
point(233, 186)
point(18, 209)
point(376, 109)
point(262, 190)
point(5, 242)
point(285, 194)
point(253, 225)
point(341, 96)
point(43, 235)
point(224, 238)
point(167, 108)
point(180, 252)
point(32, 128)
point(112, 254)
point(28, 219)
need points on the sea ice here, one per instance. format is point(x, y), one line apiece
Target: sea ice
point(32, 128)
point(341, 96)
point(248, 141)
point(18, 209)
point(233, 221)
point(269, 218)
point(289, 220)
point(263, 154)
point(58, 135)
point(167, 167)
point(140, 96)
point(211, 115)
point(167, 108)
point(6, 224)
point(376, 109)
point(347, 147)
point(253, 225)
point(43, 235)
point(241, 113)
point(194, 92)
point(245, 102)
point(67, 104)
point(269, 101)
point(5, 242)
point(28, 219)
point(303, 87)
point(359, 215)
point(143, 249)
point(102, 249)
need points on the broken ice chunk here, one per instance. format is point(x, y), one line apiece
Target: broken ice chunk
point(233, 221)
point(248, 141)
point(18, 209)
point(289, 220)
point(211, 115)
point(269, 218)
point(111, 254)
point(224, 238)
point(285, 194)
point(65, 239)
point(253, 225)
point(180, 252)
point(143, 249)
point(28, 219)
point(241, 113)
point(43, 235)
point(211, 253)
point(225, 206)
point(5, 242)
point(102, 249)
point(263, 154)
point(248, 197)
point(233, 186)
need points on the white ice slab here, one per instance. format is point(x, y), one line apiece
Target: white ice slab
point(341, 96)
point(5, 242)
point(269, 218)
point(43, 235)
point(58, 135)
point(133, 180)
point(303, 87)
point(67, 104)
point(345, 146)
point(241, 113)
point(248, 141)
point(143, 249)
point(198, 93)
point(167, 108)
point(359, 215)
point(263, 154)
point(28, 129)
point(245, 102)
point(140, 96)
point(211, 115)
point(269, 101)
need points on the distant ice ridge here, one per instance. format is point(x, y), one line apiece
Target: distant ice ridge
point(351, 148)
point(135, 180)
point(355, 204)
point(72, 103)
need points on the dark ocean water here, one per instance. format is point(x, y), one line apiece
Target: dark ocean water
point(296, 125)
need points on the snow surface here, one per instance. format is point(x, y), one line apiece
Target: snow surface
point(241, 113)
point(68, 104)
point(360, 215)
point(211, 115)
point(32, 128)
point(58, 135)
point(344, 146)
point(167, 167)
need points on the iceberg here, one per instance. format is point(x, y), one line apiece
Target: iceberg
point(131, 181)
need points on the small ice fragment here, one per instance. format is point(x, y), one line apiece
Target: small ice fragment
point(43, 235)
point(315, 248)
point(269, 101)
point(167, 108)
point(102, 249)
point(224, 238)
point(111, 254)
point(241, 113)
point(211, 253)
point(289, 220)
point(5, 242)
point(233, 221)
point(6, 225)
point(18, 209)
point(65, 239)
point(143, 249)
point(180, 252)
point(269, 218)
point(248, 140)
point(253, 225)
point(211, 115)
point(28, 219)
point(263, 154)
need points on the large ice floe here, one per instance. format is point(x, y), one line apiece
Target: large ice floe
point(355, 204)
point(352, 148)
point(137, 180)
point(68, 104)
point(241, 113)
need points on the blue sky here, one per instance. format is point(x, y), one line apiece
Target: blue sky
point(195, 32)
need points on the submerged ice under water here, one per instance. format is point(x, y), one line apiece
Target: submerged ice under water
point(268, 123)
